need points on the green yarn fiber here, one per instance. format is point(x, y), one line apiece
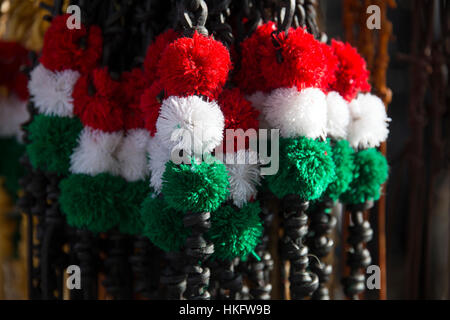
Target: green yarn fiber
point(197, 187)
point(52, 142)
point(92, 202)
point(163, 225)
point(343, 160)
point(10, 167)
point(235, 232)
point(306, 168)
point(371, 171)
point(131, 198)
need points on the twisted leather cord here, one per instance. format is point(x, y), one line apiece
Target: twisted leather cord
point(322, 222)
point(358, 257)
point(302, 282)
point(173, 277)
point(258, 271)
point(145, 266)
point(118, 279)
point(306, 16)
point(228, 278)
point(197, 250)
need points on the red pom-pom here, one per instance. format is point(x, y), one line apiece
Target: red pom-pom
point(76, 49)
point(197, 65)
point(133, 84)
point(249, 77)
point(13, 56)
point(150, 105)
point(97, 101)
point(155, 51)
point(303, 61)
point(238, 113)
point(352, 74)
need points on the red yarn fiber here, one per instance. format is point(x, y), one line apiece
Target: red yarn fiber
point(197, 65)
point(133, 85)
point(304, 62)
point(150, 105)
point(97, 101)
point(352, 74)
point(154, 52)
point(13, 56)
point(249, 77)
point(76, 49)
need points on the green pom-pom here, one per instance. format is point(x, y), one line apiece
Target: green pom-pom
point(306, 168)
point(131, 198)
point(196, 187)
point(10, 167)
point(234, 232)
point(163, 225)
point(343, 160)
point(52, 142)
point(92, 202)
point(371, 171)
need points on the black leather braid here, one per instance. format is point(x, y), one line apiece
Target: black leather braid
point(145, 266)
point(303, 283)
point(85, 248)
point(229, 280)
point(258, 271)
point(306, 16)
point(358, 257)
point(118, 279)
point(322, 223)
point(197, 250)
point(173, 276)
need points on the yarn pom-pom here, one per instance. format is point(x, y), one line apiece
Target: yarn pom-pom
point(307, 169)
point(133, 84)
point(369, 125)
point(53, 140)
point(249, 77)
point(297, 113)
point(371, 171)
point(132, 155)
point(190, 124)
point(197, 65)
point(132, 196)
point(343, 160)
point(352, 75)
point(51, 92)
point(195, 187)
point(244, 177)
point(159, 155)
point(76, 49)
point(97, 101)
point(238, 111)
point(303, 64)
point(239, 114)
point(163, 225)
point(235, 232)
point(96, 152)
point(154, 52)
point(91, 202)
point(150, 104)
point(338, 116)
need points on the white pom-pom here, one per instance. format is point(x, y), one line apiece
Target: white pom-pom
point(338, 116)
point(297, 113)
point(132, 155)
point(158, 156)
point(51, 92)
point(13, 113)
point(96, 152)
point(190, 124)
point(258, 99)
point(369, 125)
point(244, 177)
